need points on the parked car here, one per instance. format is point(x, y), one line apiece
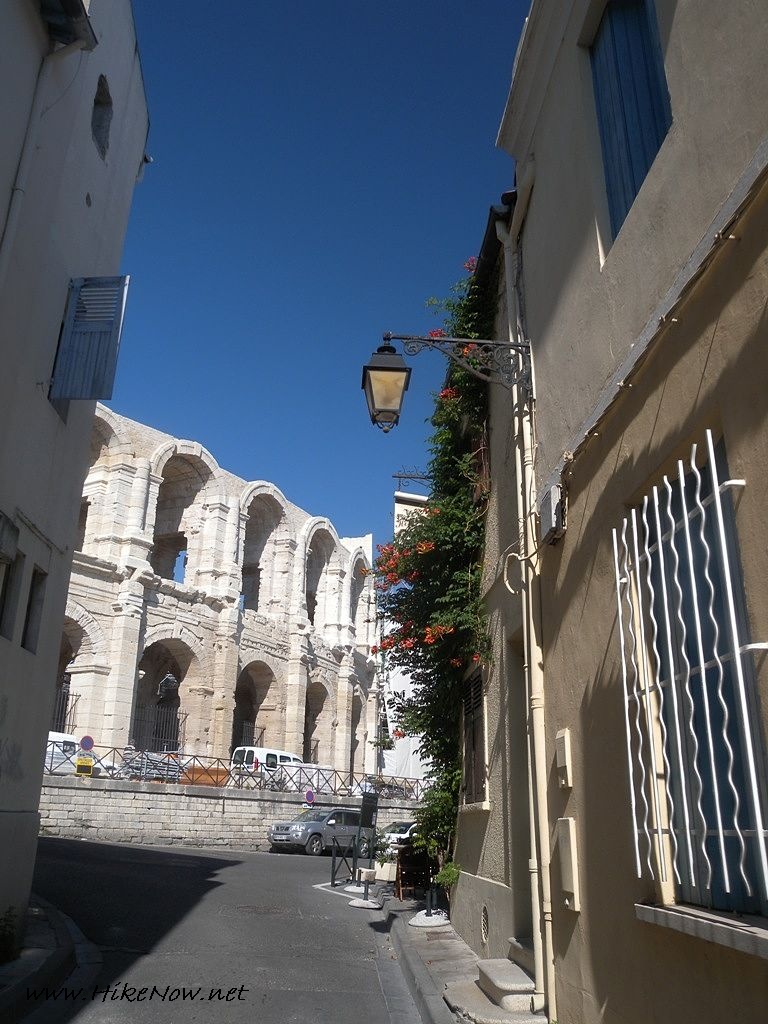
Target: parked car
point(398, 834)
point(60, 753)
point(315, 829)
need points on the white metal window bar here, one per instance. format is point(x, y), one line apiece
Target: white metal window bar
point(694, 749)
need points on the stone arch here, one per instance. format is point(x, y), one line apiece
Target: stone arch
point(257, 718)
point(267, 549)
point(172, 707)
point(187, 473)
point(82, 662)
point(318, 715)
point(108, 446)
point(357, 596)
point(82, 627)
point(320, 577)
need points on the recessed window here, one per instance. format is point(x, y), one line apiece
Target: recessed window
point(101, 118)
point(473, 716)
point(9, 595)
point(34, 615)
point(631, 99)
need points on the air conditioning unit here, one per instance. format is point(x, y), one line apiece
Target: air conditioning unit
point(552, 515)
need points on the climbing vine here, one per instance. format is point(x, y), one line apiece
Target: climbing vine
point(428, 578)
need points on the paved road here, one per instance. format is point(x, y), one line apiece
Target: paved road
point(248, 926)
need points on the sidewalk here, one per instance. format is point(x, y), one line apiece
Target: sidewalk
point(46, 959)
point(437, 963)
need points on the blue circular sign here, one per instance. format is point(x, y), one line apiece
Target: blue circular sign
point(309, 796)
point(86, 743)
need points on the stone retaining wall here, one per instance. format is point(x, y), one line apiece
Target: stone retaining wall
point(159, 814)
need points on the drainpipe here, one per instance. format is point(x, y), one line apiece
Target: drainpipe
point(27, 154)
point(522, 403)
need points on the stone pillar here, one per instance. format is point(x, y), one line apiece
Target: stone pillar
point(332, 617)
point(370, 724)
point(136, 543)
point(343, 737)
point(296, 695)
point(225, 669)
point(197, 702)
point(89, 680)
point(278, 600)
point(207, 555)
point(120, 687)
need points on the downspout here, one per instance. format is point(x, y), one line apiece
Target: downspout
point(522, 402)
point(27, 153)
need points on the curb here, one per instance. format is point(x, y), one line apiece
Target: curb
point(14, 1003)
point(429, 1000)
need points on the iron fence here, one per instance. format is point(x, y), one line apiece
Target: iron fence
point(158, 729)
point(190, 769)
point(64, 718)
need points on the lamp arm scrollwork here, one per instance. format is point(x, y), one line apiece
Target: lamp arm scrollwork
point(496, 362)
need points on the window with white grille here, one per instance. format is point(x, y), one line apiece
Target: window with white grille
point(695, 752)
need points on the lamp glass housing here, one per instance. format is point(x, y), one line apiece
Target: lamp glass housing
point(385, 381)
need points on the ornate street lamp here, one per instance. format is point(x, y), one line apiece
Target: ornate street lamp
point(386, 377)
point(385, 381)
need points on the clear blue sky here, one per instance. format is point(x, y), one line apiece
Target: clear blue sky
point(320, 169)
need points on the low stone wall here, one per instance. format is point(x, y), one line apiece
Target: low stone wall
point(159, 814)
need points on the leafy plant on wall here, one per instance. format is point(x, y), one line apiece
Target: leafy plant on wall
point(428, 579)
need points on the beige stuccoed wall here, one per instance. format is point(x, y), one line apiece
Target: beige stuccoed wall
point(58, 236)
point(583, 315)
point(167, 815)
point(707, 370)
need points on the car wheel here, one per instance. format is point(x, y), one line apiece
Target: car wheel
point(363, 848)
point(314, 846)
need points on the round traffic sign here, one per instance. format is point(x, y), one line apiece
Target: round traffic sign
point(309, 796)
point(86, 743)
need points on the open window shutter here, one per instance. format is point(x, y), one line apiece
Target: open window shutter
point(90, 338)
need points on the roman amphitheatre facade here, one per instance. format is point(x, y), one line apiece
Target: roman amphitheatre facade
point(206, 611)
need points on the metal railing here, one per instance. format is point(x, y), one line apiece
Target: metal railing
point(158, 729)
point(64, 714)
point(191, 769)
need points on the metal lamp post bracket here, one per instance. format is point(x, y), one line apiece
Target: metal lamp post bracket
point(492, 361)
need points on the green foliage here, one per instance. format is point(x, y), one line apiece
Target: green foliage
point(436, 818)
point(448, 876)
point(428, 579)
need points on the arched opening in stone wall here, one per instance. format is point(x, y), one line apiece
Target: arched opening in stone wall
point(318, 590)
point(265, 529)
point(179, 518)
point(316, 714)
point(166, 671)
point(257, 719)
point(64, 717)
point(96, 506)
point(357, 737)
point(359, 606)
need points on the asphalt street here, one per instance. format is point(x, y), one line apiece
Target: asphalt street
point(199, 935)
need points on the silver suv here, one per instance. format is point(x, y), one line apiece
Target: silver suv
point(314, 830)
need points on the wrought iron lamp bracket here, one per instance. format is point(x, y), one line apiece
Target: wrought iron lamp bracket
point(496, 362)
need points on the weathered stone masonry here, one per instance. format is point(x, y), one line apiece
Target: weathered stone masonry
point(165, 815)
point(205, 610)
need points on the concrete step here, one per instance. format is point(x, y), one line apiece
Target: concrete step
point(468, 1000)
point(505, 984)
point(521, 951)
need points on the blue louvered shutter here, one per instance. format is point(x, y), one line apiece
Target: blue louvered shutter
point(631, 98)
point(90, 337)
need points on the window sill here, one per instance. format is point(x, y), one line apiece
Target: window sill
point(480, 805)
point(746, 934)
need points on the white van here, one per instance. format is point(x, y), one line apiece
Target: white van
point(267, 761)
point(60, 753)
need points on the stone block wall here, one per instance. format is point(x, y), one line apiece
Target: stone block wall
point(158, 814)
